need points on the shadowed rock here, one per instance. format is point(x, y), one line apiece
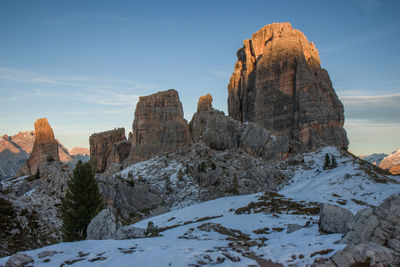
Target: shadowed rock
point(278, 83)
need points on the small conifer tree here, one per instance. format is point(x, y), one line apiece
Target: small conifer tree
point(327, 163)
point(81, 203)
point(333, 162)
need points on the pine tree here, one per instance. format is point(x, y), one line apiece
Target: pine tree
point(333, 162)
point(327, 164)
point(81, 203)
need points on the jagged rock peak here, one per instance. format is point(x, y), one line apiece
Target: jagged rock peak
point(205, 103)
point(101, 145)
point(278, 83)
point(45, 147)
point(159, 125)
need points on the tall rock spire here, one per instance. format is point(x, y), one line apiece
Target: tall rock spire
point(278, 83)
point(45, 148)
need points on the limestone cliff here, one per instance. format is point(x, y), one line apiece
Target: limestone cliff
point(158, 126)
point(278, 83)
point(101, 145)
point(45, 148)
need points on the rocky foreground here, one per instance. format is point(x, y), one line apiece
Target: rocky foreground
point(324, 217)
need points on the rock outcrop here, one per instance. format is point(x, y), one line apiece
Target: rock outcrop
point(218, 131)
point(278, 83)
point(45, 148)
point(380, 225)
point(101, 145)
point(334, 219)
point(159, 125)
point(373, 237)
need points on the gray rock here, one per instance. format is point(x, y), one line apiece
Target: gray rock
point(380, 225)
point(103, 226)
point(334, 219)
point(46, 253)
point(362, 253)
point(128, 232)
point(293, 227)
point(18, 260)
point(1, 187)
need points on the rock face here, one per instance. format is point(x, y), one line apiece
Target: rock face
point(101, 145)
point(334, 219)
point(159, 125)
point(102, 226)
point(278, 83)
point(119, 152)
point(45, 148)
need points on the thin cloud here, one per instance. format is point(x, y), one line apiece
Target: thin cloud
point(220, 74)
point(361, 39)
point(107, 17)
point(367, 5)
point(373, 108)
point(103, 91)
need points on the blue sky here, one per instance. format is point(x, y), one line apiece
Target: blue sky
point(83, 64)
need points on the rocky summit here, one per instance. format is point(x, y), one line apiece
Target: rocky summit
point(44, 149)
point(159, 125)
point(278, 83)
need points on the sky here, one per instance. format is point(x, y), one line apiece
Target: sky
point(83, 64)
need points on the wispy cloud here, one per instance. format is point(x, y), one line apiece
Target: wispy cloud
point(362, 39)
point(220, 74)
point(373, 108)
point(367, 5)
point(107, 17)
point(53, 22)
point(98, 90)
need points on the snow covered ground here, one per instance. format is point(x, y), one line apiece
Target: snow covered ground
point(238, 230)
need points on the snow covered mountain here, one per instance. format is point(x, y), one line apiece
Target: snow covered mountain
point(255, 229)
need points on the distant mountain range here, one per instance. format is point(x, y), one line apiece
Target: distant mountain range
point(15, 150)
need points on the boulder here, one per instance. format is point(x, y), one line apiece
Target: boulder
point(19, 260)
point(101, 146)
point(128, 232)
point(278, 83)
point(45, 148)
point(334, 219)
point(159, 126)
point(102, 226)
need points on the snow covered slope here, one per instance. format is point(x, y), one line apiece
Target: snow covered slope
point(243, 230)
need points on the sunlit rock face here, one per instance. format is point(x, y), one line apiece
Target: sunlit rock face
point(45, 148)
point(278, 83)
point(101, 146)
point(159, 125)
